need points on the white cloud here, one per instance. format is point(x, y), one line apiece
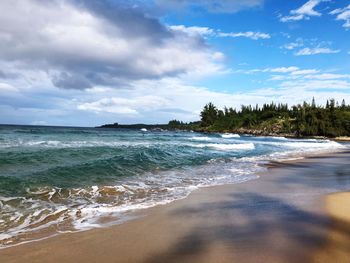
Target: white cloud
point(311, 47)
point(306, 83)
point(303, 12)
point(193, 30)
point(84, 48)
point(343, 14)
point(304, 71)
point(317, 50)
point(248, 34)
point(218, 56)
point(297, 73)
point(292, 73)
point(5, 87)
point(313, 81)
point(158, 101)
point(284, 73)
point(277, 78)
point(175, 100)
point(134, 68)
point(284, 69)
point(326, 76)
point(274, 70)
point(125, 106)
point(209, 32)
point(317, 84)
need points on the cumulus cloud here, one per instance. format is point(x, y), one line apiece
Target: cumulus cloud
point(317, 50)
point(113, 62)
point(159, 100)
point(304, 12)
point(124, 105)
point(77, 81)
point(343, 14)
point(212, 6)
point(82, 45)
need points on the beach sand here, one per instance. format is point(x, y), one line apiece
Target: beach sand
point(284, 216)
point(337, 247)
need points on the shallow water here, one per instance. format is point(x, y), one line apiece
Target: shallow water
point(60, 179)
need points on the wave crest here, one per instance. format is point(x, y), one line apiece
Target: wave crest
point(230, 135)
point(228, 147)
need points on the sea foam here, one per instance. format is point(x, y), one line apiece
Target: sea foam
point(228, 147)
point(105, 174)
point(230, 135)
point(201, 138)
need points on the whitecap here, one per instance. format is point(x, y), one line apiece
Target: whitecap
point(230, 135)
point(201, 138)
point(228, 147)
point(279, 138)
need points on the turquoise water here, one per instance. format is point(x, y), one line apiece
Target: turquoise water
point(67, 179)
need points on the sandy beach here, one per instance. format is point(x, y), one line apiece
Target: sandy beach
point(174, 131)
point(289, 214)
point(337, 246)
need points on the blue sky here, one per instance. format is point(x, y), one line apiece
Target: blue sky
point(86, 63)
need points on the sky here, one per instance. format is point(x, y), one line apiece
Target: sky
point(91, 62)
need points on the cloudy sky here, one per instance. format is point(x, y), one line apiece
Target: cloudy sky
point(90, 62)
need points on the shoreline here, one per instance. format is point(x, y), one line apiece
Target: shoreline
point(132, 214)
point(240, 131)
point(144, 225)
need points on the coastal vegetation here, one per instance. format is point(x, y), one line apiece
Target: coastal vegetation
point(306, 119)
point(331, 120)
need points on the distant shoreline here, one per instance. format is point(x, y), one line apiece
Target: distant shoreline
point(241, 131)
point(162, 127)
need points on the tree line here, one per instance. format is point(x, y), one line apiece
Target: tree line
point(306, 119)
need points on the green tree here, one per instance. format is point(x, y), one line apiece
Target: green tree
point(209, 114)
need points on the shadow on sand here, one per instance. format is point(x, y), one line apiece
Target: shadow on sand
point(248, 221)
point(255, 225)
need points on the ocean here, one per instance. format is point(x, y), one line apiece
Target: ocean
point(62, 179)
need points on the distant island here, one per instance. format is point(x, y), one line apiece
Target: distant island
point(302, 120)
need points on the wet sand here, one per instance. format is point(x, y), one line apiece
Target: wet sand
point(284, 216)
